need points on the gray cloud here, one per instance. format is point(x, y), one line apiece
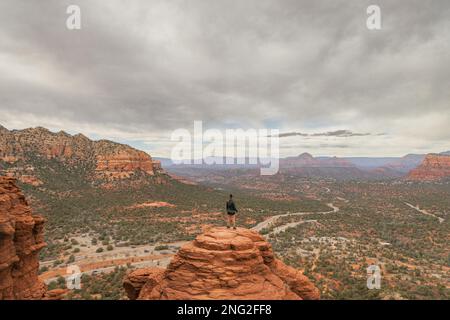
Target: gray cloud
point(321, 145)
point(340, 133)
point(336, 133)
point(147, 67)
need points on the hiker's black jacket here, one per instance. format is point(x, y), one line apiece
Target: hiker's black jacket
point(231, 207)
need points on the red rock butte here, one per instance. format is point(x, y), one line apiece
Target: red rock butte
point(434, 167)
point(222, 264)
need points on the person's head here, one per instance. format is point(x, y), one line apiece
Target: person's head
point(231, 196)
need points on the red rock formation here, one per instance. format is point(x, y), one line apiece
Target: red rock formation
point(222, 264)
point(21, 239)
point(56, 294)
point(123, 164)
point(157, 166)
point(134, 281)
point(434, 167)
point(24, 174)
point(31, 180)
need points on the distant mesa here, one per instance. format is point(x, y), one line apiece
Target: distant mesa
point(307, 160)
point(433, 168)
point(222, 264)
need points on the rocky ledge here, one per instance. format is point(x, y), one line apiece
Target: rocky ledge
point(222, 264)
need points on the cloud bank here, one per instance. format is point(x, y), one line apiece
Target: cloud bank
point(137, 70)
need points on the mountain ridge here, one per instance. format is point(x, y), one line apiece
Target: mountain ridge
point(103, 160)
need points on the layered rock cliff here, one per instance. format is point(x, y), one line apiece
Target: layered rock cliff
point(120, 161)
point(434, 167)
point(222, 264)
point(21, 239)
point(105, 160)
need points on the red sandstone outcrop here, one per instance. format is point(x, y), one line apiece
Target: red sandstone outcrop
point(434, 167)
point(21, 239)
point(25, 174)
point(134, 281)
point(31, 180)
point(56, 294)
point(222, 264)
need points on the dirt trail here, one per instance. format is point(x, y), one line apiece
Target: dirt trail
point(425, 212)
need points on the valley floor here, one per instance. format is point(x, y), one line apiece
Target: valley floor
point(332, 231)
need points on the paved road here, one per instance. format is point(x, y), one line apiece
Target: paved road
point(270, 221)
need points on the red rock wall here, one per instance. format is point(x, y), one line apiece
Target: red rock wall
point(21, 239)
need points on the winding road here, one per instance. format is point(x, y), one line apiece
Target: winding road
point(270, 221)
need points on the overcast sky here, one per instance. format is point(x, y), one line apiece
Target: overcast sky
point(139, 69)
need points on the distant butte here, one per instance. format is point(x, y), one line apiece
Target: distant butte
point(434, 167)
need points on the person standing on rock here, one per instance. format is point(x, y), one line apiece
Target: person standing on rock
point(231, 212)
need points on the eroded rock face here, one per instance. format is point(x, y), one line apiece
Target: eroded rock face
point(222, 264)
point(135, 281)
point(21, 239)
point(434, 167)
